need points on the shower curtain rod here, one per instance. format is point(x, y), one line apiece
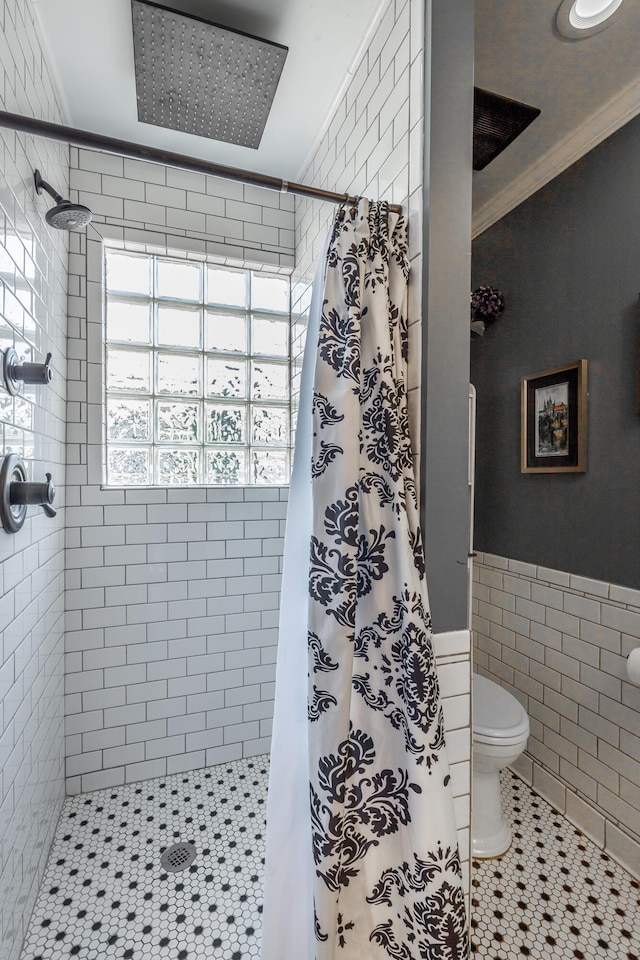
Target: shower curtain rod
point(94, 141)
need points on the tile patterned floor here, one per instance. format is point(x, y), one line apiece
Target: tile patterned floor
point(105, 896)
point(554, 894)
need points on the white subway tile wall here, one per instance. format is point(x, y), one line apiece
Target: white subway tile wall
point(559, 643)
point(172, 615)
point(191, 212)
point(172, 594)
point(33, 292)
point(372, 147)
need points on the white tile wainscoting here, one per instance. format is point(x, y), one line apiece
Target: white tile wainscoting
point(453, 660)
point(559, 643)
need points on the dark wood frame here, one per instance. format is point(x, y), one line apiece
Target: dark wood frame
point(638, 359)
point(575, 374)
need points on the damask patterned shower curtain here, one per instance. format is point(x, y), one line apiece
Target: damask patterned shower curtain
point(362, 859)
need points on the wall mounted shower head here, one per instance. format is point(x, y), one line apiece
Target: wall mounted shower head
point(65, 215)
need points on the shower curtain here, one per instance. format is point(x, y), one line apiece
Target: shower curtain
point(362, 860)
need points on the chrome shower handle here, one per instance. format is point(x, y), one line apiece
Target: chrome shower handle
point(17, 493)
point(16, 373)
point(34, 372)
point(33, 493)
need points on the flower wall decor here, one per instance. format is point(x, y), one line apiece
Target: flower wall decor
point(487, 304)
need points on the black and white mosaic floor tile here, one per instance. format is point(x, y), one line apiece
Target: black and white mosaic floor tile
point(554, 894)
point(105, 895)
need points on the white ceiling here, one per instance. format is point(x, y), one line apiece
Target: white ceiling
point(585, 89)
point(91, 51)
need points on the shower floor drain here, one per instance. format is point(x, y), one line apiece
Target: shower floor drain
point(177, 857)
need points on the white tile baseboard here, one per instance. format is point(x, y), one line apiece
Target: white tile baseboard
point(615, 842)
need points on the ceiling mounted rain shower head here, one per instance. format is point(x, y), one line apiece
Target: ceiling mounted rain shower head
point(65, 215)
point(201, 78)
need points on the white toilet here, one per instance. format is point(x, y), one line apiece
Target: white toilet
point(500, 732)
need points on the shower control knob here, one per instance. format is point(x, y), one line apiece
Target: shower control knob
point(16, 373)
point(17, 493)
point(35, 494)
point(35, 372)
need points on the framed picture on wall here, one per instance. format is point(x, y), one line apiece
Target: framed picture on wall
point(554, 420)
point(638, 362)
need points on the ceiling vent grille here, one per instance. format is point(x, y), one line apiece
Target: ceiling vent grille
point(201, 78)
point(497, 121)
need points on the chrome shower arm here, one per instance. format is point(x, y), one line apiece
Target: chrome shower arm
point(43, 185)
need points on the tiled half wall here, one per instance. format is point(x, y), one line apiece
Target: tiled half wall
point(559, 643)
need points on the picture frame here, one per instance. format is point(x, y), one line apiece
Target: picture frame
point(554, 420)
point(638, 357)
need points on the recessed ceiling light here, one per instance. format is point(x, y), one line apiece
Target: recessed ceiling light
point(578, 19)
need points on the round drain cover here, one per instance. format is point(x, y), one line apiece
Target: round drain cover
point(177, 857)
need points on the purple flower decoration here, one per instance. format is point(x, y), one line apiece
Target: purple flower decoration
point(487, 303)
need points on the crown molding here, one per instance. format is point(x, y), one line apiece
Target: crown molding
point(600, 125)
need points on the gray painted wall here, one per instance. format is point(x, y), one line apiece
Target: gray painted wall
point(568, 263)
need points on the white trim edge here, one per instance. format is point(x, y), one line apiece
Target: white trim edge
point(452, 643)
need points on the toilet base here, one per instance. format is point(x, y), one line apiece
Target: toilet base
point(490, 832)
point(491, 848)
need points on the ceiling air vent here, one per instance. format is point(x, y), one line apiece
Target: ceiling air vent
point(497, 121)
point(201, 78)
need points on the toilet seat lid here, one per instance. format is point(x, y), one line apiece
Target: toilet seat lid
point(497, 715)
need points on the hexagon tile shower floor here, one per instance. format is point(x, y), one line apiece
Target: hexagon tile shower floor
point(105, 895)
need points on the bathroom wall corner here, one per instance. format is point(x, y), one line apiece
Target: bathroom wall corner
point(622, 849)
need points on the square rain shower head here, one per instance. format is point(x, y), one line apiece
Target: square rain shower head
point(201, 78)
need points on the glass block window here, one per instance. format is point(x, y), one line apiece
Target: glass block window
point(197, 373)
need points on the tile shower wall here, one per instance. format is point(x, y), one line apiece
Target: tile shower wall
point(172, 594)
point(559, 642)
point(33, 290)
point(372, 146)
